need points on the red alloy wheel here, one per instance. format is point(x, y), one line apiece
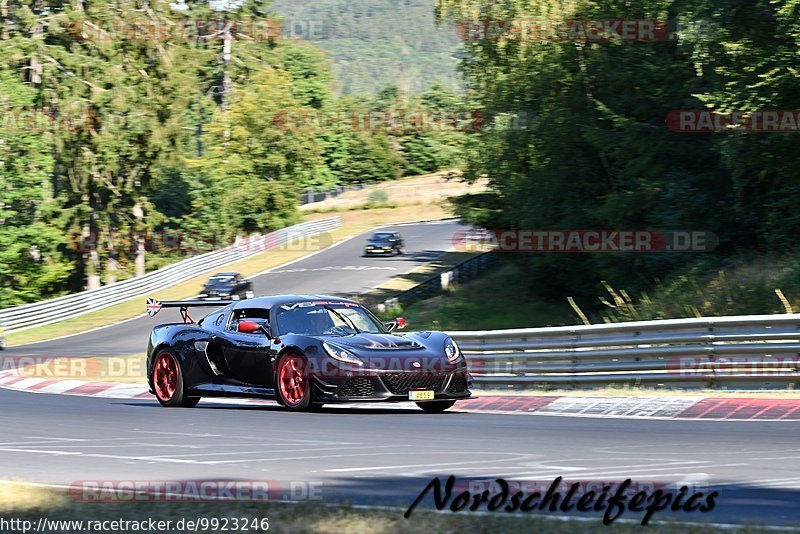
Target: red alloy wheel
point(291, 380)
point(165, 376)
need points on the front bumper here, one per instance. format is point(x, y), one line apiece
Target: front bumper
point(390, 386)
point(379, 250)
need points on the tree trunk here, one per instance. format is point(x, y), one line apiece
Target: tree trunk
point(36, 65)
point(91, 258)
point(111, 270)
point(227, 40)
point(139, 263)
point(4, 33)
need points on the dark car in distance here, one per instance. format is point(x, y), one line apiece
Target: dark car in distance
point(227, 286)
point(390, 243)
point(303, 351)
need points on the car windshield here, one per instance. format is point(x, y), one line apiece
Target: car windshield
point(326, 318)
point(381, 237)
point(220, 280)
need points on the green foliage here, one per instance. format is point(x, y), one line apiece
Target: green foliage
point(254, 169)
point(30, 259)
point(378, 199)
point(489, 302)
point(165, 133)
point(359, 157)
point(577, 136)
point(373, 44)
point(741, 286)
point(378, 196)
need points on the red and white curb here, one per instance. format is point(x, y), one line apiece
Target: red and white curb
point(662, 407)
point(14, 380)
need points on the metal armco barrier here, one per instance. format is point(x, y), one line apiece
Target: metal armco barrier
point(66, 307)
point(466, 270)
point(750, 351)
point(311, 196)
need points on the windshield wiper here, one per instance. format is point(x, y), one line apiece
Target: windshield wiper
point(344, 319)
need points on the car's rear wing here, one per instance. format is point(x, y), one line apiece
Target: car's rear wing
point(154, 306)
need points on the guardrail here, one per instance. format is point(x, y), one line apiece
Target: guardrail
point(312, 196)
point(461, 272)
point(755, 351)
point(69, 306)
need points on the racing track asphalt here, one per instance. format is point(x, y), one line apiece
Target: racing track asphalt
point(386, 456)
point(339, 270)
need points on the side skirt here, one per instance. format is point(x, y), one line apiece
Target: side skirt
point(231, 390)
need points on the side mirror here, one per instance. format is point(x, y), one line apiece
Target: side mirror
point(399, 323)
point(248, 327)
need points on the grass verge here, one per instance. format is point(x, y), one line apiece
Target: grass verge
point(29, 503)
point(427, 189)
point(490, 302)
point(403, 282)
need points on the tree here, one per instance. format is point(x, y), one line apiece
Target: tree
point(576, 140)
point(253, 179)
point(31, 262)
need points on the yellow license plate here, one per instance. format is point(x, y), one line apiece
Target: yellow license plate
point(420, 395)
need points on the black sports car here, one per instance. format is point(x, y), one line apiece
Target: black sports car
point(303, 351)
point(384, 243)
point(227, 286)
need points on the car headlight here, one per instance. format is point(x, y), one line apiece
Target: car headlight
point(451, 350)
point(338, 353)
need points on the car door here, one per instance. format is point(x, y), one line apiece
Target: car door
point(248, 355)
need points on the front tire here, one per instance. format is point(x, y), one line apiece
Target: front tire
point(190, 402)
point(436, 406)
point(168, 384)
point(294, 384)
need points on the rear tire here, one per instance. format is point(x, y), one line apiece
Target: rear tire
point(436, 406)
point(167, 379)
